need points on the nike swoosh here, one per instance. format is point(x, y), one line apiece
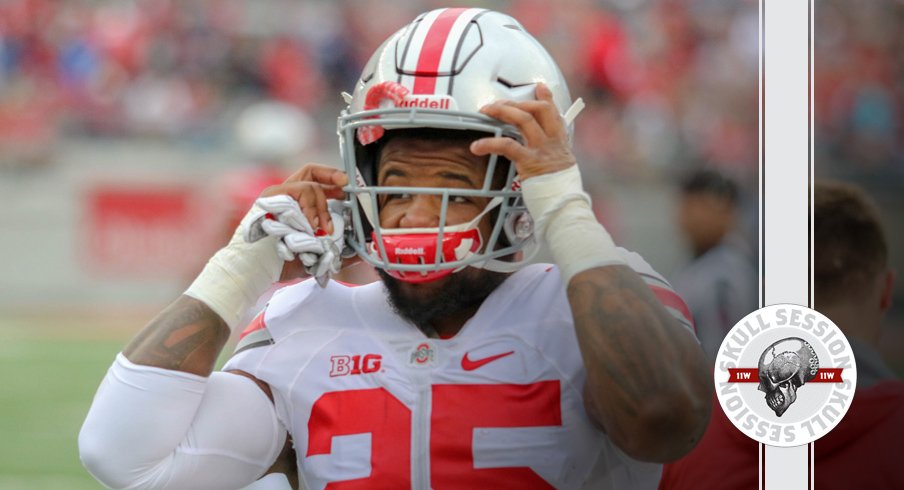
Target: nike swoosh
point(472, 364)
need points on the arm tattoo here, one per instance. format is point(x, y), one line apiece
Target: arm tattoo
point(630, 345)
point(186, 336)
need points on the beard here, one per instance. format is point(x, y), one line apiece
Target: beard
point(422, 304)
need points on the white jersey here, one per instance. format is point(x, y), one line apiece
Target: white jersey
point(372, 402)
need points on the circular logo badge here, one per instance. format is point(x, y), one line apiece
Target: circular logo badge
point(785, 375)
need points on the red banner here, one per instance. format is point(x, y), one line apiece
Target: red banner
point(751, 375)
point(743, 375)
point(144, 231)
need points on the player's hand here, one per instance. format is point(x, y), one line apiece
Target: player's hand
point(546, 148)
point(311, 186)
point(305, 213)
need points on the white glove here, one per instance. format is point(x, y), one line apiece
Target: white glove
point(238, 274)
point(281, 217)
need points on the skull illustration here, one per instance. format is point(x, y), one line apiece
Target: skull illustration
point(784, 367)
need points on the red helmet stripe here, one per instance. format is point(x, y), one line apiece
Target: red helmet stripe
point(432, 50)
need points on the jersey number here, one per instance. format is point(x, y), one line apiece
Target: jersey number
point(457, 411)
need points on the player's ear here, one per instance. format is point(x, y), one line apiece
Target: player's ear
point(888, 286)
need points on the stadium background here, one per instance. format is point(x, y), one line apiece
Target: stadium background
point(119, 150)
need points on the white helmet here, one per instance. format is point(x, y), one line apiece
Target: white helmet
point(437, 72)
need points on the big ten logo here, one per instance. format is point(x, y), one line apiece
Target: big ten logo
point(357, 364)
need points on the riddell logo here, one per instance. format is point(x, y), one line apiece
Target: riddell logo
point(357, 364)
point(429, 102)
point(409, 251)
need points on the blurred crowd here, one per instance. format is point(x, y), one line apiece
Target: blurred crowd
point(669, 84)
point(859, 86)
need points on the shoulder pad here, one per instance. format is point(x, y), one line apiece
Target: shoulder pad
point(255, 335)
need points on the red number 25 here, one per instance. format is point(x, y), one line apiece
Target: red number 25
point(457, 411)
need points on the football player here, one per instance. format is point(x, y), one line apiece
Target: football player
point(465, 366)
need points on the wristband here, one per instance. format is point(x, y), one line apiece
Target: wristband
point(566, 223)
point(237, 275)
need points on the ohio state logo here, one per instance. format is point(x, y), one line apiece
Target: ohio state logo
point(422, 355)
point(785, 375)
point(357, 364)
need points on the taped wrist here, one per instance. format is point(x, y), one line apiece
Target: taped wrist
point(565, 221)
point(238, 274)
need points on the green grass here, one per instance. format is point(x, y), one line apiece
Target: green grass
point(50, 367)
point(47, 386)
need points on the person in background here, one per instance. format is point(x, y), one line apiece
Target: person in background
point(719, 284)
point(853, 286)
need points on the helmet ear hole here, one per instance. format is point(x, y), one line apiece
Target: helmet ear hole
point(518, 227)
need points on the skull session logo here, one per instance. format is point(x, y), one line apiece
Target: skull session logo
point(781, 374)
point(785, 375)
